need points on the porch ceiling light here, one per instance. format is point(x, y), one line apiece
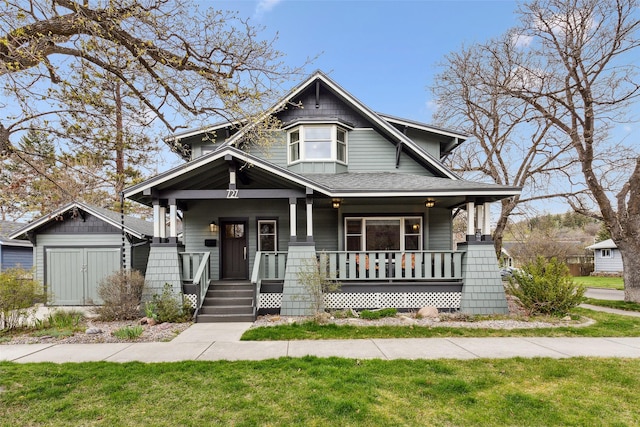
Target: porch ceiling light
point(335, 203)
point(430, 203)
point(213, 227)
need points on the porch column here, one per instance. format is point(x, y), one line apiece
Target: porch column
point(471, 219)
point(486, 222)
point(163, 222)
point(173, 220)
point(292, 219)
point(309, 219)
point(479, 220)
point(156, 220)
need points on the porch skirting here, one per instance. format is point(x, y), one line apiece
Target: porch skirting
point(375, 300)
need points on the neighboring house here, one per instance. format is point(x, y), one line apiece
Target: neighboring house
point(78, 245)
point(607, 257)
point(363, 194)
point(14, 253)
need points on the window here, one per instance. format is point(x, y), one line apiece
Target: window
point(383, 233)
point(605, 253)
point(267, 235)
point(317, 143)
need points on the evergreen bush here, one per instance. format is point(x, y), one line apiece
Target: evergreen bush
point(18, 294)
point(545, 287)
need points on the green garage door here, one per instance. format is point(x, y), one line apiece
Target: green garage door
point(73, 274)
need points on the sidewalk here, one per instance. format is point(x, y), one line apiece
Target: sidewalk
point(221, 341)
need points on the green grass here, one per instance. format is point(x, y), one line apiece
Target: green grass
point(317, 392)
point(620, 305)
point(606, 325)
point(601, 282)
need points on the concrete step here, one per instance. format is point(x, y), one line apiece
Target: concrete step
point(221, 286)
point(217, 318)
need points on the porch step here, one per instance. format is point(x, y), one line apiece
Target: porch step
point(227, 302)
point(219, 318)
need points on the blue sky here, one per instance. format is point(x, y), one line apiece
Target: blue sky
point(382, 52)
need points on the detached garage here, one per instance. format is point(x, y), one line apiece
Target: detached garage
point(78, 245)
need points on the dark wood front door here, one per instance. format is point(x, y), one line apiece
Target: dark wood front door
point(234, 250)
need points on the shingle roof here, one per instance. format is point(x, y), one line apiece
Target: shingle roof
point(8, 227)
point(389, 181)
point(606, 244)
point(132, 225)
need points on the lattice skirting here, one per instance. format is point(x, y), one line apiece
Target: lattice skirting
point(376, 300)
point(192, 298)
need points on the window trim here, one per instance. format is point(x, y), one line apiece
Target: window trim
point(259, 233)
point(302, 143)
point(401, 218)
point(606, 253)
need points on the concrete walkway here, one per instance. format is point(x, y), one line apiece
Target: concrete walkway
point(221, 341)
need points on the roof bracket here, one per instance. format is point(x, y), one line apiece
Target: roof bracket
point(317, 93)
point(398, 152)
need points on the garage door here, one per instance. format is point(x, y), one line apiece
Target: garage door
point(73, 274)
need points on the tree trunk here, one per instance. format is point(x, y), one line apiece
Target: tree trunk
point(630, 250)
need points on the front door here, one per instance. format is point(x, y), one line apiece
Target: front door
point(234, 250)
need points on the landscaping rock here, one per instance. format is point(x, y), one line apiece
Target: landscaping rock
point(428, 312)
point(93, 331)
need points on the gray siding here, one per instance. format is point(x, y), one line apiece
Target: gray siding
point(609, 265)
point(16, 256)
point(429, 143)
point(440, 229)
point(371, 152)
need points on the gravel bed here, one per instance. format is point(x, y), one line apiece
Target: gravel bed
point(161, 332)
point(444, 320)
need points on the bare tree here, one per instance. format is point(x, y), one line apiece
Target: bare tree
point(572, 61)
point(181, 63)
point(514, 145)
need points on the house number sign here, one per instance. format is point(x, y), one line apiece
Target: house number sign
point(232, 194)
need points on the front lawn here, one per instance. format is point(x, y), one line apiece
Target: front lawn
point(315, 392)
point(601, 282)
point(606, 325)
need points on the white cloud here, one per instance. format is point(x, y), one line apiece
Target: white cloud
point(521, 40)
point(265, 6)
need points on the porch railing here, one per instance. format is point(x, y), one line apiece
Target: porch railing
point(396, 265)
point(195, 270)
point(267, 266)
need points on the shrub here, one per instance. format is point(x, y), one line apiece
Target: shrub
point(128, 332)
point(378, 314)
point(169, 307)
point(18, 293)
point(121, 293)
point(545, 287)
point(316, 283)
point(62, 319)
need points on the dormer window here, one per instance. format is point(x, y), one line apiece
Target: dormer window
point(325, 143)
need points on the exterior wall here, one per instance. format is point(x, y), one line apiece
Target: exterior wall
point(430, 145)
point(16, 256)
point(440, 229)
point(608, 265)
point(163, 267)
point(328, 105)
point(77, 225)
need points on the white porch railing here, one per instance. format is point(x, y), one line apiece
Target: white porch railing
point(195, 270)
point(407, 265)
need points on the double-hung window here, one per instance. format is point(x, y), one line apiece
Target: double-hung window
point(267, 235)
point(383, 234)
point(317, 143)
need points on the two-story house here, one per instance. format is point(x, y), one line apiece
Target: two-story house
point(363, 195)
